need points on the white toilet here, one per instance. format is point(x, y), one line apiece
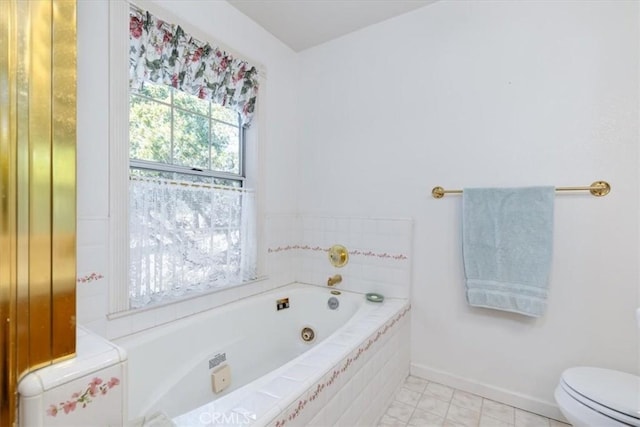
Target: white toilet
point(595, 397)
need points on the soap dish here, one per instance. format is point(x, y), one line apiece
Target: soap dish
point(373, 297)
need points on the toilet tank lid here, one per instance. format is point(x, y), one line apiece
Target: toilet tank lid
point(617, 390)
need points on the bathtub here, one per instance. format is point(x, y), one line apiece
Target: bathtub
point(345, 374)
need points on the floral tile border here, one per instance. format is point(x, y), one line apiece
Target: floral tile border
point(354, 252)
point(90, 278)
point(315, 391)
point(97, 385)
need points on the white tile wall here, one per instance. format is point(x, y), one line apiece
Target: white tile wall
point(380, 251)
point(280, 234)
point(86, 390)
point(294, 249)
point(92, 266)
point(97, 410)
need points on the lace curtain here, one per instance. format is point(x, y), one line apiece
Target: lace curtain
point(188, 237)
point(163, 53)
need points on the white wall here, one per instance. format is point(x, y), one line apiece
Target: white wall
point(491, 93)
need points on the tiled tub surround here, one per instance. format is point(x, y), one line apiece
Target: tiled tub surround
point(348, 379)
point(379, 251)
point(294, 249)
point(87, 390)
point(272, 369)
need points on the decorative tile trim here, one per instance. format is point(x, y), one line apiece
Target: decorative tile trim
point(320, 387)
point(90, 278)
point(96, 385)
point(354, 252)
point(379, 255)
point(294, 247)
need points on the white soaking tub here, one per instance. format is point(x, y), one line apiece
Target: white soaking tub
point(276, 377)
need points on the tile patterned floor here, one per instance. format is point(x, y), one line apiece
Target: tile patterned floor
point(421, 403)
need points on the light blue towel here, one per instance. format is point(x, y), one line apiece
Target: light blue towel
point(507, 245)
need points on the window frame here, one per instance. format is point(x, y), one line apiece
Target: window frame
point(119, 165)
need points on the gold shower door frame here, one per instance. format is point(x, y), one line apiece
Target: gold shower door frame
point(37, 189)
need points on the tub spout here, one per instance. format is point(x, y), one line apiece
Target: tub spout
point(334, 280)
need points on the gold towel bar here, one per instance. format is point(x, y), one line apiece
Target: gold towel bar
point(598, 189)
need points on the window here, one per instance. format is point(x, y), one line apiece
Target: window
point(191, 219)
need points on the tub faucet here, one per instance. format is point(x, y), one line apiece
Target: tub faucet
point(334, 280)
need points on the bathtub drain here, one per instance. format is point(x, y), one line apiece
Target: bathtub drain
point(307, 334)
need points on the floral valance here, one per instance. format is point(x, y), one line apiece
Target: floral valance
point(164, 53)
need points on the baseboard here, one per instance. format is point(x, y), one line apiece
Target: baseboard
point(527, 403)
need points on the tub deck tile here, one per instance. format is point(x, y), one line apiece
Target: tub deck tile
point(282, 388)
point(301, 372)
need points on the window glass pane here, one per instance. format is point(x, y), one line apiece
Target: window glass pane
point(225, 114)
point(149, 130)
point(191, 140)
point(225, 148)
point(187, 238)
point(156, 91)
point(191, 103)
